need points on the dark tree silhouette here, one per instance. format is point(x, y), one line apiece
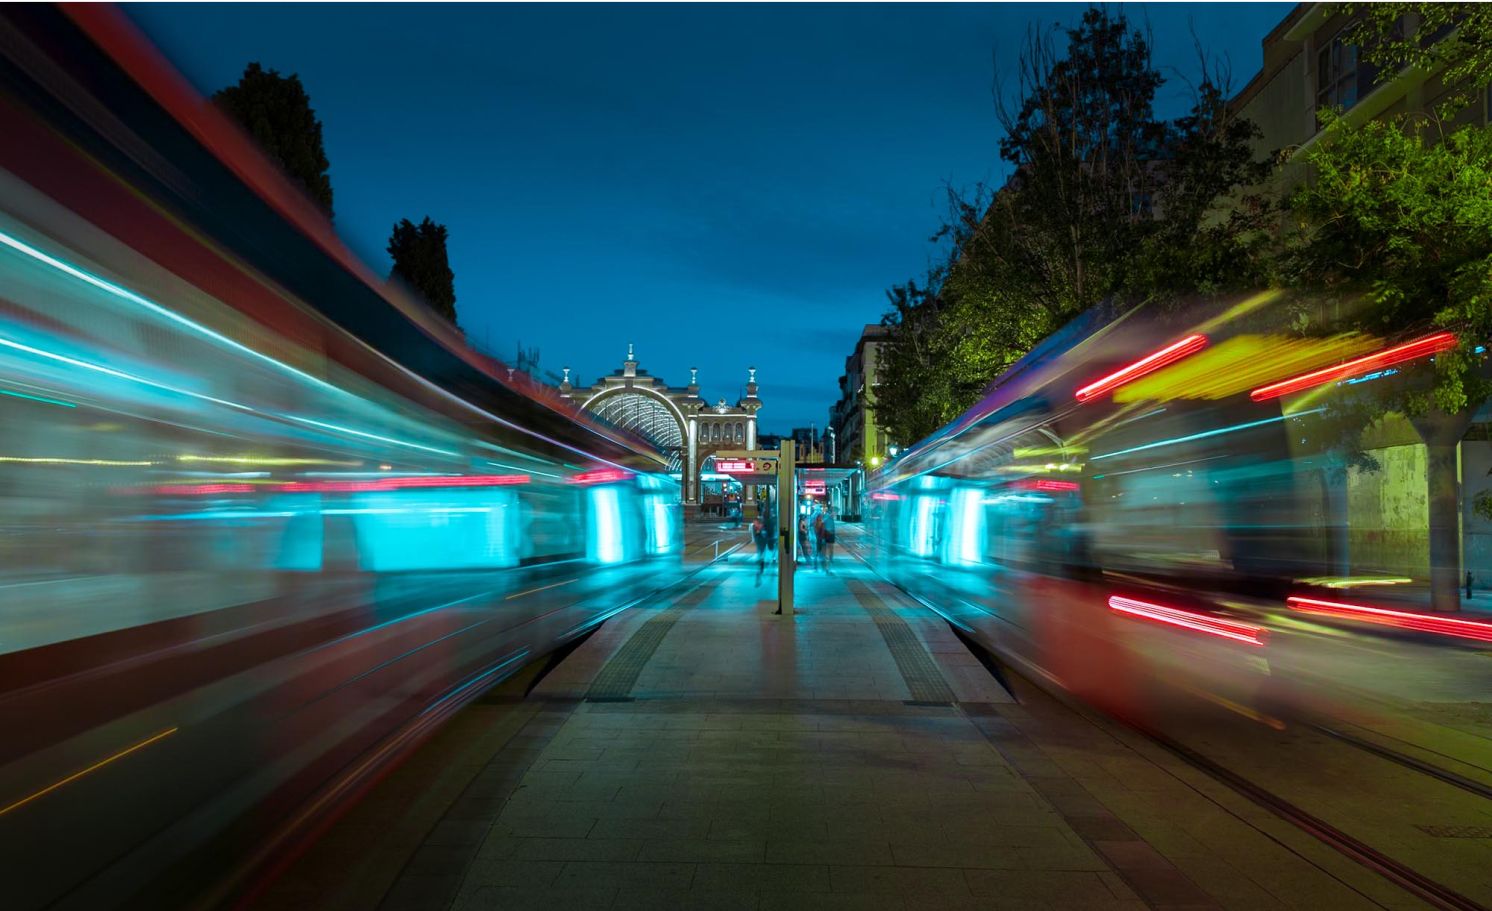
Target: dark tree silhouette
point(276, 111)
point(420, 262)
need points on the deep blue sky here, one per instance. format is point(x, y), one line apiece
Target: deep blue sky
point(725, 186)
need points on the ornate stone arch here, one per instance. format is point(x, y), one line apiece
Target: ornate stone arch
point(647, 413)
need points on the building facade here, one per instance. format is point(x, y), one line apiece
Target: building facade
point(676, 420)
point(852, 438)
point(1309, 63)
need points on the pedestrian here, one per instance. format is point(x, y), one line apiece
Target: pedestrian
point(761, 536)
point(826, 539)
point(805, 544)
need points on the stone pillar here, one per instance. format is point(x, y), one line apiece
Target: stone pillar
point(691, 463)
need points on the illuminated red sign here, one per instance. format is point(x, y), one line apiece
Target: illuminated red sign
point(735, 466)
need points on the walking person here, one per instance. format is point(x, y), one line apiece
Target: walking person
point(805, 543)
point(826, 539)
point(761, 536)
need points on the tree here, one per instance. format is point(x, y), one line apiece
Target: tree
point(911, 395)
point(1453, 40)
point(276, 111)
point(1105, 200)
point(1083, 142)
point(420, 262)
point(1214, 229)
point(1400, 217)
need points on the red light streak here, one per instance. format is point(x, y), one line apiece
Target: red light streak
point(1425, 623)
point(1148, 364)
point(1048, 484)
point(1202, 623)
point(601, 476)
point(199, 490)
point(878, 495)
point(444, 481)
point(1409, 351)
point(480, 480)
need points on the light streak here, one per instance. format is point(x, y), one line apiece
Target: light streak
point(93, 768)
point(1398, 354)
point(130, 296)
point(601, 476)
point(263, 460)
point(1148, 364)
point(36, 398)
point(1202, 623)
point(1051, 485)
point(1205, 434)
point(542, 588)
point(1355, 581)
point(113, 463)
point(371, 436)
point(1425, 623)
point(402, 483)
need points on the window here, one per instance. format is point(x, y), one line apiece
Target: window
point(1336, 74)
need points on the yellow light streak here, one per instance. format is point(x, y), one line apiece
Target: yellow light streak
point(1355, 581)
point(93, 768)
point(540, 589)
point(1242, 363)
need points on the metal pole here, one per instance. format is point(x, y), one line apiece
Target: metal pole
point(787, 528)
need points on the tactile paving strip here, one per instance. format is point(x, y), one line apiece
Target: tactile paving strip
point(620, 674)
point(924, 681)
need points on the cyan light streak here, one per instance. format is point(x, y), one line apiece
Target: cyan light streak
point(120, 374)
point(370, 436)
point(133, 298)
point(1205, 434)
point(36, 398)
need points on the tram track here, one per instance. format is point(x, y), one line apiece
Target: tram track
point(1425, 887)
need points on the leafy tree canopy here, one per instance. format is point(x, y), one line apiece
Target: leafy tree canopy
point(1105, 199)
point(276, 111)
point(420, 262)
point(1401, 217)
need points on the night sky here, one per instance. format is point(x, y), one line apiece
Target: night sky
point(725, 186)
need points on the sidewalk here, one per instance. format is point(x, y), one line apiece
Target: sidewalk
point(705, 754)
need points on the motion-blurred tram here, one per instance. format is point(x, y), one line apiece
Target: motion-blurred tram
point(265, 521)
point(1143, 509)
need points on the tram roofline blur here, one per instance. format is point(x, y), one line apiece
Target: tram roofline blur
point(223, 186)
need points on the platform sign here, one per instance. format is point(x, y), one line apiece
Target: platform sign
point(754, 466)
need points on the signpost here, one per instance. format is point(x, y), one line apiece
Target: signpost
point(774, 469)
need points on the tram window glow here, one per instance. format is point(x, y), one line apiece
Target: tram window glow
point(662, 525)
point(922, 526)
point(604, 544)
point(965, 546)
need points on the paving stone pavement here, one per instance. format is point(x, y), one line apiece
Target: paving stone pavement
point(855, 756)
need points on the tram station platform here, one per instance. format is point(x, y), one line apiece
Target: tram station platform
point(702, 753)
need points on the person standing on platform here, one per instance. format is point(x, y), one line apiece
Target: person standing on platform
point(762, 536)
point(826, 539)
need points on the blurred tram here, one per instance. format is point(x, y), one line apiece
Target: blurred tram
point(264, 520)
point(1135, 510)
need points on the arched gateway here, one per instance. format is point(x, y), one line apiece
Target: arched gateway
point(677, 421)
